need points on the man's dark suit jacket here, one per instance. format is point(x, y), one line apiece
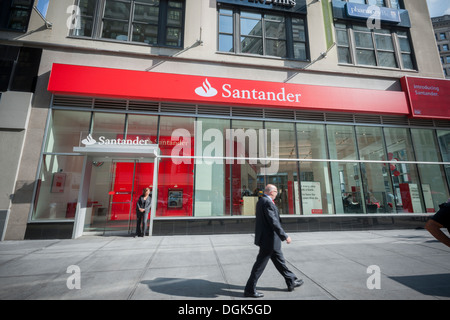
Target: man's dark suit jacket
point(268, 230)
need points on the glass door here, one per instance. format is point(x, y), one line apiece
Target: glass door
point(115, 187)
point(121, 195)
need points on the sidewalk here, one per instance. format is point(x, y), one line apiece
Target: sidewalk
point(333, 265)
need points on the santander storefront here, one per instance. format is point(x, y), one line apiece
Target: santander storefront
point(206, 146)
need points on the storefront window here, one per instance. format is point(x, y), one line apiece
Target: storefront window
point(316, 194)
point(379, 197)
point(407, 189)
point(108, 125)
point(432, 177)
point(444, 143)
point(286, 180)
point(211, 168)
point(176, 168)
point(346, 176)
point(219, 167)
point(66, 128)
point(142, 126)
point(245, 176)
point(58, 187)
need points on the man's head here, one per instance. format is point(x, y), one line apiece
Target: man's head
point(271, 191)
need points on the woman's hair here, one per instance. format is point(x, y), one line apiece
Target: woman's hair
point(145, 189)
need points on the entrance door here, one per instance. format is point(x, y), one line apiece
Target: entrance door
point(114, 190)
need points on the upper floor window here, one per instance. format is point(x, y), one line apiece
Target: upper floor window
point(262, 33)
point(155, 22)
point(359, 45)
point(15, 14)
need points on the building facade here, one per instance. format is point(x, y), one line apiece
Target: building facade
point(441, 27)
point(341, 104)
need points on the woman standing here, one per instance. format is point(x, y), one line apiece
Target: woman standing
point(142, 209)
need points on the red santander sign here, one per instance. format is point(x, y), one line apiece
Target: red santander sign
point(428, 98)
point(167, 87)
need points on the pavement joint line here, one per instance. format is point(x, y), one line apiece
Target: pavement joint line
point(222, 271)
point(28, 253)
point(51, 279)
point(312, 280)
point(144, 270)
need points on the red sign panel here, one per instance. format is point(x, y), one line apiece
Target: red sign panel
point(128, 84)
point(428, 98)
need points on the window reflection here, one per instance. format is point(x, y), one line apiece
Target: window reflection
point(432, 177)
point(407, 189)
point(379, 197)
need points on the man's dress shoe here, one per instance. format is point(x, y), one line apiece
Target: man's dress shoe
point(254, 294)
point(297, 283)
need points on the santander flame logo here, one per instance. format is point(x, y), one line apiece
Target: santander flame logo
point(206, 90)
point(88, 141)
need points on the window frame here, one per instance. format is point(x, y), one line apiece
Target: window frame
point(237, 35)
point(7, 9)
point(98, 21)
point(395, 34)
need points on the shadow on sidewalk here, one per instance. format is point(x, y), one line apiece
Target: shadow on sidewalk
point(197, 288)
point(428, 284)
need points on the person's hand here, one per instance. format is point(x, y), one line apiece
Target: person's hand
point(288, 240)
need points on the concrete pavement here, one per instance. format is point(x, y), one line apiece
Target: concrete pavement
point(403, 264)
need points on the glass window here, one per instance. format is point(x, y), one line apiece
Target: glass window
point(316, 194)
point(432, 177)
point(85, 26)
point(345, 175)
point(142, 126)
point(226, 30)
point(286, 181)
point(405, 50)
point(67, 129)
point(174, 28)
point(251, 33)
point(376, 181)
point(407, 189)
point(275, 31)
point(444, 144)
point(15, 14)
point(176, 172)
point(245, 146)
point(373, 47)
point(133, 20)
point(343, 43)
point(58, 187)
point(145, 23)
point(210, 174)
point(281, 143)
point(385, 48)
point(108, 125)
point(299, 39)
point(262, 33)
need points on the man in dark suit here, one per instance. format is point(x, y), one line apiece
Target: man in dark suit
point(268, 236)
